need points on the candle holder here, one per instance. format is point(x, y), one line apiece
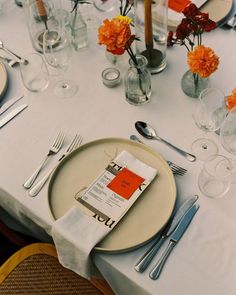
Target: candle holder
point(151, 32)
point(111, 77)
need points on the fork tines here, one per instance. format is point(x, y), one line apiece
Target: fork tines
point(177, 169)
point(75, 142)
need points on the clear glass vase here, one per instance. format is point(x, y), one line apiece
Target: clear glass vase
point(138, 82)
point(192, 84)
point(78, 30)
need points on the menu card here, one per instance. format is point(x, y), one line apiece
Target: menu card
point(114, 191)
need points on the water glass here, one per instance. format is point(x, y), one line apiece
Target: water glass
point(35, 74)
point(215, 177)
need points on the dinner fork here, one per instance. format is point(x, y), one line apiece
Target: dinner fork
point(177, 170)
point(77, 140)
point(54, 149)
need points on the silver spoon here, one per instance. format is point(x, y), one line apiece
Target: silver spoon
point(148, 132)
point(19, 59)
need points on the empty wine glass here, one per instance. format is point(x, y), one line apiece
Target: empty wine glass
point(208, 116)
point(58, 53)
point(215, 177)
point(228, 137)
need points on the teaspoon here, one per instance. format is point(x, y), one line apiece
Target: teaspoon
point(148, 132)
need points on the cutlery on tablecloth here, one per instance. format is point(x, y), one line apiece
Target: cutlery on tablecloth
point(232, 22)
point(179, 231)
point(20, 59)
point(9, 61)
point(148, 132)
point(9, 103)
point(7, 118)
point(148, 256)
point(54, 149)
point(77, 140)
point(177, 170)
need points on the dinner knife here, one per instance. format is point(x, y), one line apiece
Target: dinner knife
point(9, 103)
point(12, 114)
point(147, 257)
point(179, 231)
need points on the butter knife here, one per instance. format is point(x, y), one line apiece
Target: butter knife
point(9, 103)
point(12, 114)
point(147, 257)
point(179, 231)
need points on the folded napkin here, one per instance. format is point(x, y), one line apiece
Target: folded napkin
point(84, 225)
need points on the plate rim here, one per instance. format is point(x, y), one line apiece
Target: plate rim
point(100, 140)
point(4, 88)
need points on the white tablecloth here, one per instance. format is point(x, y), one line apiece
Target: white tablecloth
point(204, 261)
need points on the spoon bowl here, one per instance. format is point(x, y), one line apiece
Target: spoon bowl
point(148, 132)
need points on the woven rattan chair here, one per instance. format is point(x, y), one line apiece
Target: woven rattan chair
point(35, 269)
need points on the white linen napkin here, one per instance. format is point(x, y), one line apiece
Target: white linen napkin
point(78, 231)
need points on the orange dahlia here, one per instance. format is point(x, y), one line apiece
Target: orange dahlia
point(203, 61)
point(231, 100)
point(115, 34)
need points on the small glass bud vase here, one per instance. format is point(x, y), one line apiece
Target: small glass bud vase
point(192, 84)
point(138, 82)
point(78, 29)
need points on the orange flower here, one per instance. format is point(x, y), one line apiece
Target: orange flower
point(231, 100)
point(115, 34)
point(203, 61)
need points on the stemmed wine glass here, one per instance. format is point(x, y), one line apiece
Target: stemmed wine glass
point(208, 116)
point(228, 138)
point(58, 53)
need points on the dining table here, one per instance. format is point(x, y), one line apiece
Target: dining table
point(204, 261)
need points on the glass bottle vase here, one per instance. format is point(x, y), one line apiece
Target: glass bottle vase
point(78, 30)
point(192, 84)
point(138, 82)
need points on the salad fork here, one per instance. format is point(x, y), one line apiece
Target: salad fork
point(54, 149)
point(77, 140)
point(177, 170)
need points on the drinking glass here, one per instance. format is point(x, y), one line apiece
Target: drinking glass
point(34, 74)
point(58, 53)
point(228, 137)
point(208, 116)
point(215, 177)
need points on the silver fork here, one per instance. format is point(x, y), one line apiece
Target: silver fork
point(177, 170)
point(77, 140)
point(9, 61)
point(54, 149)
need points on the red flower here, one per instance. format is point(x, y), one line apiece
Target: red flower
point(191, 10)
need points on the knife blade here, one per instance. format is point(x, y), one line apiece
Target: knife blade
point(179, 231)
point(9, 103)
point(12, 114)
point(147, 257)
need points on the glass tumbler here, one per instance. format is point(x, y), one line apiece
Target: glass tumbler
point(35, 76)
point(215, 177)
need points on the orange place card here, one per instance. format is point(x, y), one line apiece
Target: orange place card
point(125, 183)
point(178, 5)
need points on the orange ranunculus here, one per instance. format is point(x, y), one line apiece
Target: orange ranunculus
point(115, 34)
point(203, 61)
point(231, 100)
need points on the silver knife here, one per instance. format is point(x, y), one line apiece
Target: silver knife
point(9, 103)
point(12, 114)
point(179, 231)
point(147, 257)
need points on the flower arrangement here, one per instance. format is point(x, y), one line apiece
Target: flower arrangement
point(231, 100)
point(201, 60)
point(116, 35)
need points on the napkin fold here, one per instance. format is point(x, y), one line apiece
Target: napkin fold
point(78, 231)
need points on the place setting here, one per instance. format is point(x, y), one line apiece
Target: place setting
point(125, 161)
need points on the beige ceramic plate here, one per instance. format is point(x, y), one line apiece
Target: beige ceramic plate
point(146, 217)
point(3, 80)
point(217, 9)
